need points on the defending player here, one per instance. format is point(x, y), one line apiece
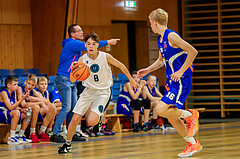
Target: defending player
point(177, 55)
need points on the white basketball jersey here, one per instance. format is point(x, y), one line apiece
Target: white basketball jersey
point(100, 72)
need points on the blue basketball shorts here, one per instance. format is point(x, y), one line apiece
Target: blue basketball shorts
point(40, 117)
point(6, 118)
point(176, 92)
point(124, 108)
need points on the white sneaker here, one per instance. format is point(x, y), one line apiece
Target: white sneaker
point(82, 134)
point(63, 134)
point(13, 141)
point(24, 139)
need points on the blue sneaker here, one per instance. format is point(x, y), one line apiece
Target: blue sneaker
point(13, 141)
point(24, 139)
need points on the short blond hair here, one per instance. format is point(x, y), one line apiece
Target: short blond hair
point(160, 16)
point(42, 78)
point(151, 76)
point(32, 77)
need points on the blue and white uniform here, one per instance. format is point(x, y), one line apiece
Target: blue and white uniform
point(45, 94)
point(123, 103)
point(5, 116)
point(55, 96)
point(97, 91)
point(175, 92)
point(153, 92)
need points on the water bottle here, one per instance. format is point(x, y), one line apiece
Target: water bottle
point(28, 116)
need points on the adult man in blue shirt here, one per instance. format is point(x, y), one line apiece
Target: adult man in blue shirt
point(71, 52)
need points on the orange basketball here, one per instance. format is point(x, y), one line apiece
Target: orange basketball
point(80, 71)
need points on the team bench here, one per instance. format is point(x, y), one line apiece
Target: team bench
point(114, 122)
point(4, 131)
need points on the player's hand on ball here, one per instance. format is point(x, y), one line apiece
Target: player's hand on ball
point(73, 64)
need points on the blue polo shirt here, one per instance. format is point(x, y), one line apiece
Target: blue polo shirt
point(72, 52)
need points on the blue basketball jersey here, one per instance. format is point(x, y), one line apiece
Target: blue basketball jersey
point(123, 103)
point(54, 96)
point(173, 58)
point(5, 116)
point(11, 97)
point(152, 92)
point(45, 94)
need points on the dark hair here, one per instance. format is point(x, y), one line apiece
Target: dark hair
point(134, 72)
point(10, 79)
point(71, 29)
point(93, 36)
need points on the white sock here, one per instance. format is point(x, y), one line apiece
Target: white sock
point(21, 132)
point(190, 139)
point(42, 129)
point(12, 133)
point(49, 129)
point(32, 130)
point(78, 128)
point(185, 114)
point(68, 142)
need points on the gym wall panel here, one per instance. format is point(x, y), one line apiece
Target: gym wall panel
point(92, 12)
point(106, 12)
point(25, 12)
point(120, 51)
point(16, 34)
point(81, 12)
point(48, 33)
point(0, 11)
point(16, 46)
point(10, 12)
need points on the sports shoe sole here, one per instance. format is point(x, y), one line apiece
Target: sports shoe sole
point(191, 153)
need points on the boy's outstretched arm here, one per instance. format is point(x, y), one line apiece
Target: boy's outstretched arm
point(156, 65)
point(122, 67)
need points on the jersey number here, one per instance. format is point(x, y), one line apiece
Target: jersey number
point(170, 95)
point(96, 79)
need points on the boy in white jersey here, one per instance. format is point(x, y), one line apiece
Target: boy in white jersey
point(177, 55)
point(97, 92)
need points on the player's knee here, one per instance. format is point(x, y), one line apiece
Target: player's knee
point(135, 104)
point(16, 113)
point(35, 108)
point(154, 103)
point(161, 110)
point(52, 108)
point(92, 121)
point(75, 119)
point(146, 103)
